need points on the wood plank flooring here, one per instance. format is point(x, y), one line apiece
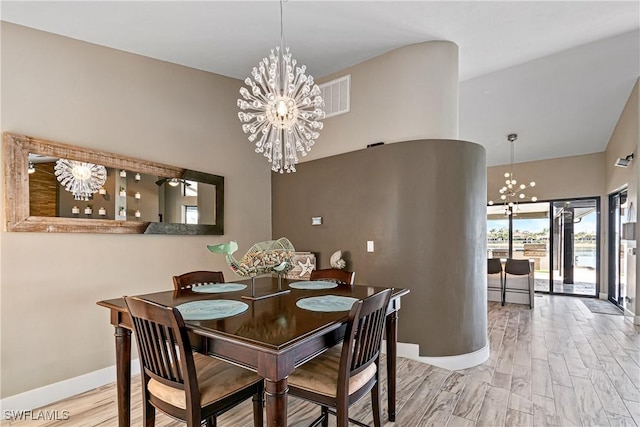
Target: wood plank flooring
point(558, 365)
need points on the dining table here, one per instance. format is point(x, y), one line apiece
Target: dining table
point(273, 327)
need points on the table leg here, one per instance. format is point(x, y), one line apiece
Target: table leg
point(276, 393)
point(392, 339)
point(123, 375)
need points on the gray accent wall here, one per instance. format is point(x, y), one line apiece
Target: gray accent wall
point(423, 203)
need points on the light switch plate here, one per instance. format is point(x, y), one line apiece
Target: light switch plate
point(370, 246)
point(316, 220)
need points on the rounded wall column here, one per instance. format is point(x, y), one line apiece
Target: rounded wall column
point(423, 203)
point(441, 220)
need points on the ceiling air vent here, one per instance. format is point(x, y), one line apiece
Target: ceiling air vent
point(336, 95)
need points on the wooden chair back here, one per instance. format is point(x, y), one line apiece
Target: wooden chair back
point(357, 362)
point(196, 278)
point(334, 275)
point(164, 348)
point(363, 337)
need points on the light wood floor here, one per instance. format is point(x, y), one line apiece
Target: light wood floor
point(559, 365)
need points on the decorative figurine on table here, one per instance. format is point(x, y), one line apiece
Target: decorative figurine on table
point(336, 261)
point(271, 256)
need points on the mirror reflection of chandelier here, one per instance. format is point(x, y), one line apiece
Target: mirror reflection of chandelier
point(82, 179)
point(512, 192)
point(282, 109)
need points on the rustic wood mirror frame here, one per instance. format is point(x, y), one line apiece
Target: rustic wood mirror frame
point(16, 185)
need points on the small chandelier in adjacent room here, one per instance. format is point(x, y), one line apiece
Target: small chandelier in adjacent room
point(82, 179)
point(282, 108)
point(512, 192)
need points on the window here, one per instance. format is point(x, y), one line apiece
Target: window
point(190, 214)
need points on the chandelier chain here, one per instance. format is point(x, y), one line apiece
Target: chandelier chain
point(512, 156)
point(282, 37)
point(282, 64)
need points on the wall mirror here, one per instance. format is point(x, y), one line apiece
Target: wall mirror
point(134, 196)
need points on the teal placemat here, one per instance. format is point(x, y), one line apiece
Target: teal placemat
point(314, 284)
point(211, 309)
point(214, 288)
point(326, 303)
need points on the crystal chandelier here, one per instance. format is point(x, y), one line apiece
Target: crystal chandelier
point(512, 193)
point(281, 108)
point(80, 178)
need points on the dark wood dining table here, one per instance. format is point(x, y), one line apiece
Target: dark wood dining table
point(271, 337)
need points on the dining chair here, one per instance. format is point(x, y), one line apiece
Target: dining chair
point(188, 281)
point(334, 275)
point(494, 266)
point(195, 278)
point(185, 385)
point(342, 375)
point(517, 267)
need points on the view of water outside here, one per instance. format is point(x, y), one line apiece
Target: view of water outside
point(532, 235)
point(537, 231)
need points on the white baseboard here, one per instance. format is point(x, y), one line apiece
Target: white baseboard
point(454, 363)
point(513, 298)
point(494, 296)
point(51, 393)
point(629, 316)
point(603, 296)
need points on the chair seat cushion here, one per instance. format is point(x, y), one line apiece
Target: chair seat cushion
point(216, 380)
point(320, 374)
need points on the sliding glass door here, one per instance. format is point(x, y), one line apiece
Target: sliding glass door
point(561, 238)
point(531, 240)
point(575, 247)
point(617, 247)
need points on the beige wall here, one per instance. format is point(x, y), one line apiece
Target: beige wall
point(407, 94)
point(74, 92)
point(566, 177)
point(625, 140)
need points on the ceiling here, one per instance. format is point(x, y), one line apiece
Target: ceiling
point(558, 73)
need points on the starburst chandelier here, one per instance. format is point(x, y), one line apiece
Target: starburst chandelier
point(512, 193)
point(281, 108)
point(82, 179)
